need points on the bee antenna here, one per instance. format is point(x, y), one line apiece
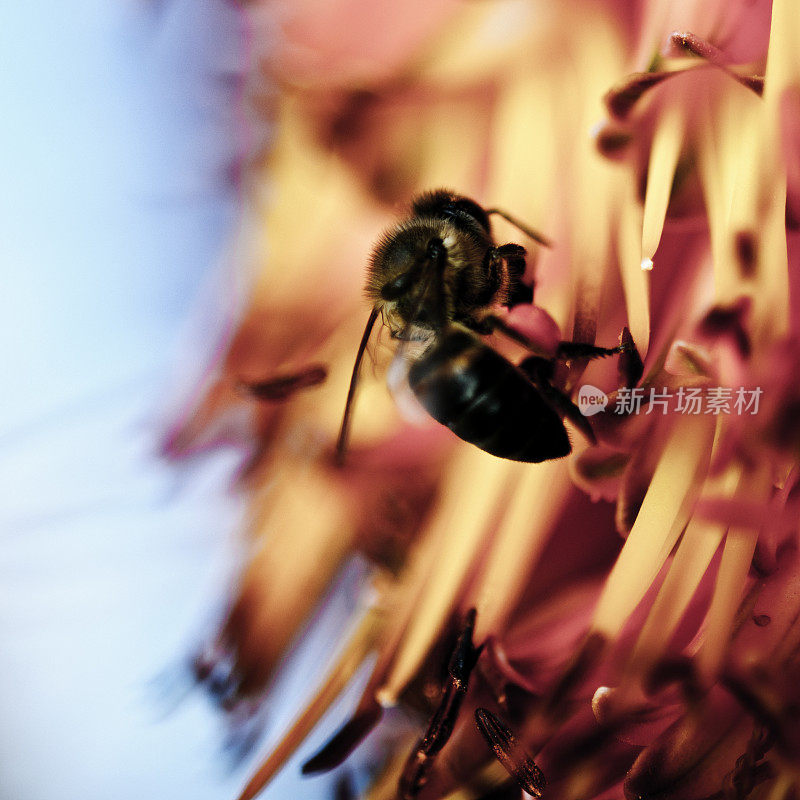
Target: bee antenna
point(521, 226)
point(341, 442)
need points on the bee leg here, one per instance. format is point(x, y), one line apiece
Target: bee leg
point(514, 257)
point(540, 370)
point(568, 351)
point(496, 267)
point(507, 260)
point(626, 347)
point(459, 667)
point(630, 362)
point(520, 295)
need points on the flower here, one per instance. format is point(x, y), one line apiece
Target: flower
point(654, 665)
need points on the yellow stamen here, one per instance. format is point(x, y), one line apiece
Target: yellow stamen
point(292, 525)
point(524, 143)
point(635, 280)
point(592, 180)
point(782, 73)
point(340, 674)
point(664, 154)
point(715, 173)
point(736, 557)
point(771, 307)
point(730, 162)
point(783, 56)
point(523, 533)
point(695, 551)
point(470, 495)
point(744, 199)
point(661, 519)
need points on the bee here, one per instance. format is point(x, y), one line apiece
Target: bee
point(438, 279)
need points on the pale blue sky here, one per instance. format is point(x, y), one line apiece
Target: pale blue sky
point(116, 148)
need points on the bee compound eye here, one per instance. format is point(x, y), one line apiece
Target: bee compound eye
point(398, 286)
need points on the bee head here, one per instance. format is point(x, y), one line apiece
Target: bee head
point(399, 259)
point(401, 275)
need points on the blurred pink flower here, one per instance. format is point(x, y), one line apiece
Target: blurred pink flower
point(632, 634)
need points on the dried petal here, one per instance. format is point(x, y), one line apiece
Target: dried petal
point(282, 387)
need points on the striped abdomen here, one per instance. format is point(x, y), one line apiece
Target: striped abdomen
point(486, 400)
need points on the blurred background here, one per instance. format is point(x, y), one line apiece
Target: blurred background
point(147, 263)
point(120, 145)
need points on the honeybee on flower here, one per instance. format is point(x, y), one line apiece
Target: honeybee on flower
point(618, 622)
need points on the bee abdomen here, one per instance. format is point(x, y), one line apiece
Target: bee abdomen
point(486, 400)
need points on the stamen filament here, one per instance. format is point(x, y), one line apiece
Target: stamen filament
point(716, 175)
point(737, 555)
point(519, 542)
point(693, 557)
point(658, 524)
point(782, 73)
point(698, 545)
point(340, 674)
point(664, 155)
point(470, 495)
point(635, 280)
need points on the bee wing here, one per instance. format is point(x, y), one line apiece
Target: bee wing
point(397, 380)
